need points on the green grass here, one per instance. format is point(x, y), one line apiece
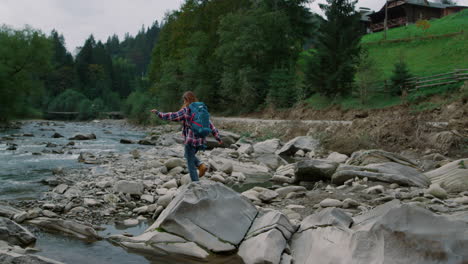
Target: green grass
point(377, 101)
point(449, 24)
point(423, 56)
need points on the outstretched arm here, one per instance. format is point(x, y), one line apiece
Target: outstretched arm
point(215, 132)
point(171, 116)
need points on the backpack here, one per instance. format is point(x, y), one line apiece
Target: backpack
point(200, 119)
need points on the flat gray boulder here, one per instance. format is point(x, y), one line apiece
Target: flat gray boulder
point(8, 257)
point(366, 157)
point(390, 172)
point(68, 227)
point(129, 187)
point(453, 177)
point(390, 233)
point(267, 147)
point(304, 143)
point(160, 243)
point(209, 214)
point(15, 234)
point(264, 248)
point(314, 170)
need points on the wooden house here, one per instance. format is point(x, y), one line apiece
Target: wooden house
point(404, 12)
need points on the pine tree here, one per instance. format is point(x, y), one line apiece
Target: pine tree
point(331, 71)
point(400, 77)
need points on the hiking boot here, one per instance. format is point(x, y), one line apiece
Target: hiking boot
point(202, 170)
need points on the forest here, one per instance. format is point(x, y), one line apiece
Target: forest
point(237, 56)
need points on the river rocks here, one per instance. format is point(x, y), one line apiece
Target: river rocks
point(245, 149)
point(173, 163)
point(199, 213)
point(66, 226)
point(228, 139)
point(57, 135)
point(271, 161)
point(8, 211)
point(304, 143)
point(314, 170)
point(331, 203)
point(337, 157)
point(129, 187)
point(366, 157)
point(8, 257)
point(130, 222)
point(126, 141)
point(376, 237)
point(83, 137)
point(88, 158)
point(267, 147)
point(283, 191)
point(72, 193)
point(437, 191)
point(285, 174)
point(390, 172)
point(452, 176)
point(160, 243)
point(170, 184)
point(15, 234)
point(61, 188)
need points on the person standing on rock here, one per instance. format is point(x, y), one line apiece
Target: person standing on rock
point(194, 137)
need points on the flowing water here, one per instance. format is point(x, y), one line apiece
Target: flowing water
point(22, 170)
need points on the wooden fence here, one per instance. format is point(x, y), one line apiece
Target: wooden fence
point(457, 75)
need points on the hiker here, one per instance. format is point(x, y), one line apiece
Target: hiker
point(196, 125)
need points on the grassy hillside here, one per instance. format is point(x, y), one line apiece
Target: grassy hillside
point(426, 53)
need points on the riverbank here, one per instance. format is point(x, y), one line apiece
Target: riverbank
point(134, 185)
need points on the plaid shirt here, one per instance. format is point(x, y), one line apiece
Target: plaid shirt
point(183, 115)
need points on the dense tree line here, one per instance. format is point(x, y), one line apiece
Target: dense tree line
point(38, 74)
point(238, 56)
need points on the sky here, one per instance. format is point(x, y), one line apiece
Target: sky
point(77, 19)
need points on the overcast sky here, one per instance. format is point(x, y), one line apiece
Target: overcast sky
point(77, 19)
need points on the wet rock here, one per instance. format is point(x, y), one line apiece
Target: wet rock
point(452, 176)
point(57, 135)
point(160, 243)
point(61, 188)
point(8, 211)
point(66, 226)
point(199, 213)
point(8, 257)
point(304, 143)
point(15, 234)
point(88, 158)
point(390, 172)
point(83, 137)
point(126, 141)
point(314, 170)
point(130, 222)
point(128, 187)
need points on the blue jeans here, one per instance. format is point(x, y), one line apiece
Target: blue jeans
point(192, 161)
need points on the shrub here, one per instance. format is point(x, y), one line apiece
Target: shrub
point(68, 101)
point(399, 78)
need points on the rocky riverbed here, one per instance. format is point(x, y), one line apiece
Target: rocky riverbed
point(261, 201)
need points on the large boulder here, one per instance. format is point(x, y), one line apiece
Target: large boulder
point(267, 147)
point(452, 176)
point(15, 234)
point(272, 161)
point(228, 139)
point(266, 239)
point(390, 233)
point(304, 143)
point(8, 211)
point(390, 172)
point(366, 157)
point(68, 227)
point(314, 170)
point(209, 214)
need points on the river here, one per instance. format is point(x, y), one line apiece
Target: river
point(23, 169)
